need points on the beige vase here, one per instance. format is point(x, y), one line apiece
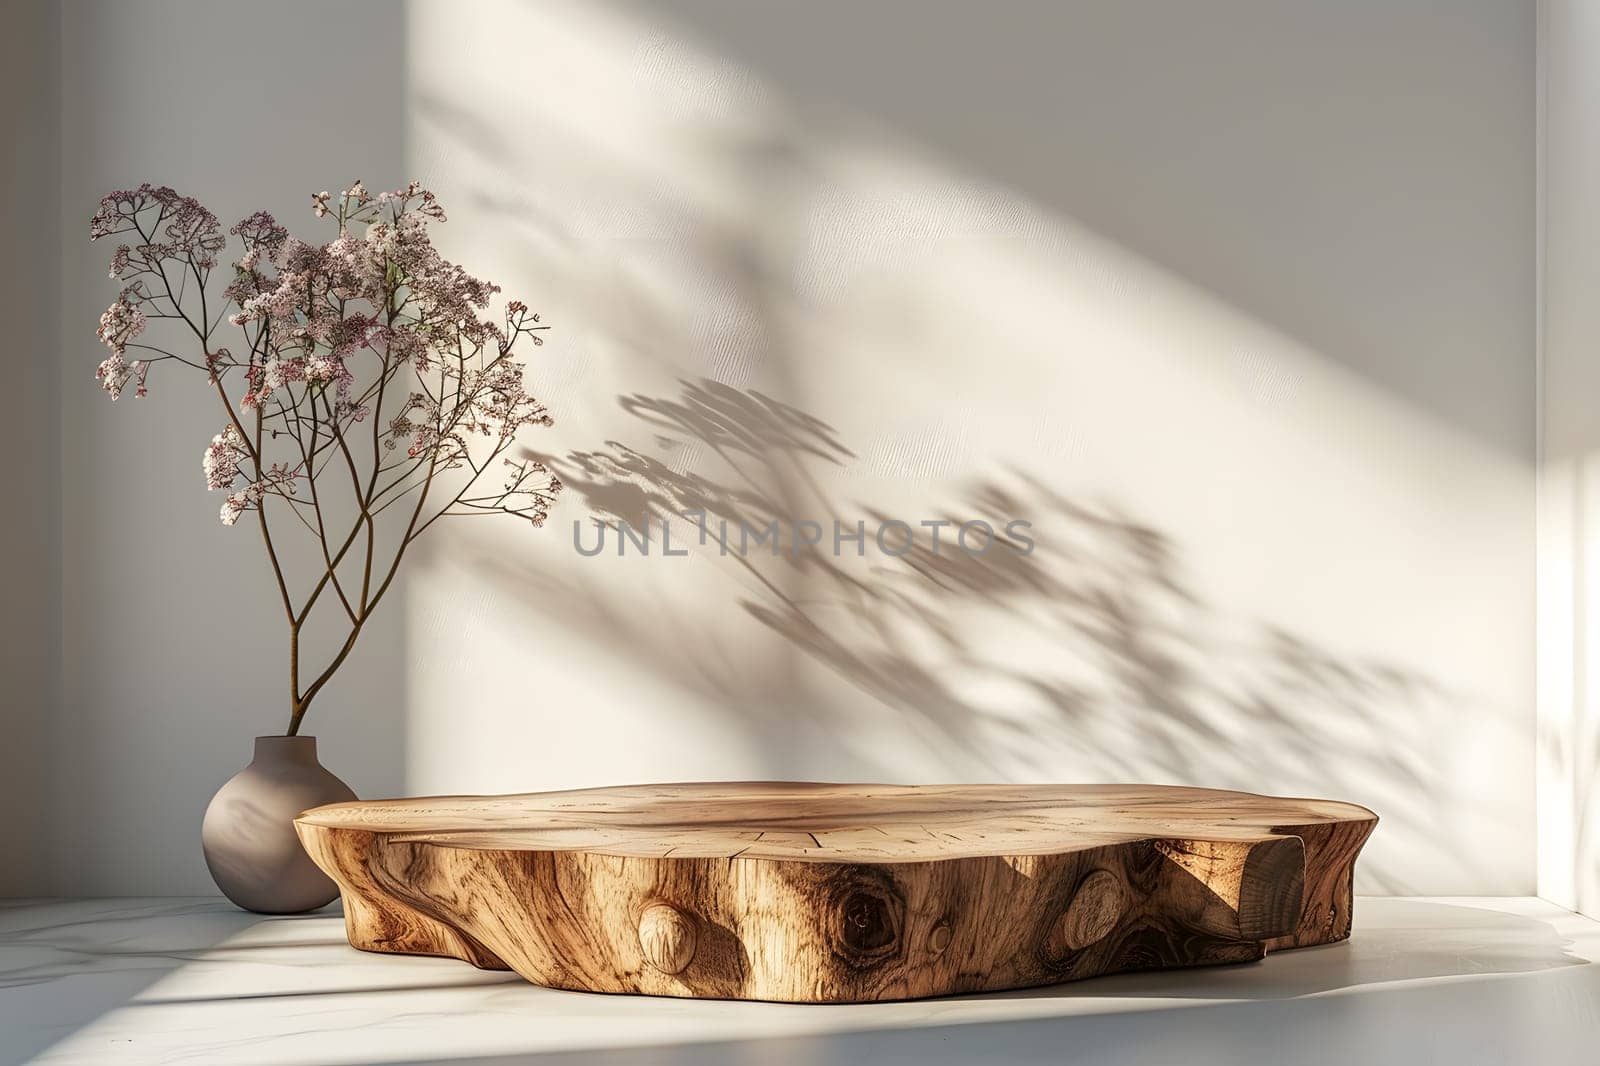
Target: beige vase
point(248, 834)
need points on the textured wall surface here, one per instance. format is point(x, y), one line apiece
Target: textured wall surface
point(1233, 302)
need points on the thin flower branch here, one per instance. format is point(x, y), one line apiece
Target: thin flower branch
point(368, 352)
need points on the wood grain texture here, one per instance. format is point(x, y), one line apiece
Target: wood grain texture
point(823, 893)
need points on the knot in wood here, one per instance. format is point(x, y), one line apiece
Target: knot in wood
point(867, 920)
point(666, 937)
point(1096, 908)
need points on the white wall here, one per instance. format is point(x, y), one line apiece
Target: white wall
point(1569, 476)
point(1233, 301)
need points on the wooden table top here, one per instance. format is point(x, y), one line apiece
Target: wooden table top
point(801, 821)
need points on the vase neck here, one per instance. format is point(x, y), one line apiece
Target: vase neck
point(286, 749)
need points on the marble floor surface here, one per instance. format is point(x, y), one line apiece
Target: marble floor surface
point(1460, 981)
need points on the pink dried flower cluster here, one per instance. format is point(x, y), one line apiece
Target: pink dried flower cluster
point(223, 456)
point(370, 374)
point(119, 325)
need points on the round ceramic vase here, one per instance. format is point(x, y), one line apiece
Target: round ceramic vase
point(248, 835)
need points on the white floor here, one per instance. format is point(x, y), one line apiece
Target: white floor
point(1501, 981)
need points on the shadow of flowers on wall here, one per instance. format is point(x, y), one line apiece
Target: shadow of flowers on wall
point(1093, 656)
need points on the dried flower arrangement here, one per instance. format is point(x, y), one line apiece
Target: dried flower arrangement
point(367, 380)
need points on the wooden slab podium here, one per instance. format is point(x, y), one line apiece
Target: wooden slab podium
point(821, 893)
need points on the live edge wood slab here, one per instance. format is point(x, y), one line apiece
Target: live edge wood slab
point(820, 893)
